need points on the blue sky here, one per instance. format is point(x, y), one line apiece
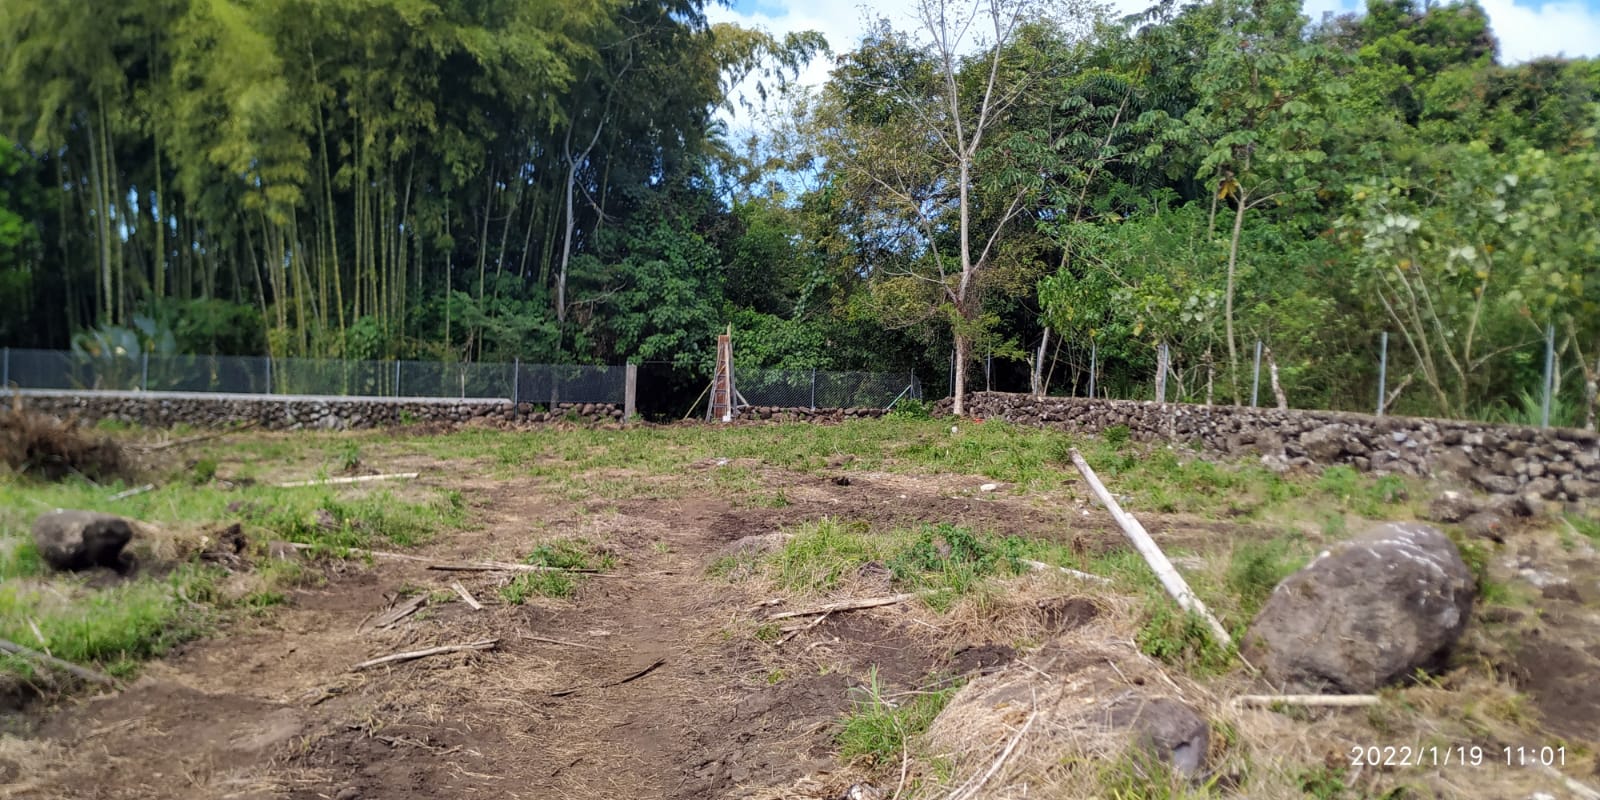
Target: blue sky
point(1526, 29)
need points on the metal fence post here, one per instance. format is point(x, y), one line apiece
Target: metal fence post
point(397, 377)
point(1549, 373)
point(813, 388)
point(1161, 373)
point(516, 380)
point(5, 368)
point(630, 392)
point(144, 372)
point(1255, 379)
point(1383, 371)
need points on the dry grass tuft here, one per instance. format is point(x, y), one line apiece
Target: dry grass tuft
point(47, 447)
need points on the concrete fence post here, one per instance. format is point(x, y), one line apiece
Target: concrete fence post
point(144, 372)
point(1094, 354)
point(397, 378)
point(516, 381)
point(269, 375)
point(1383, 372)
point(813, 388)
point(1255, 377)
point(1549, 373)
point(630, 392)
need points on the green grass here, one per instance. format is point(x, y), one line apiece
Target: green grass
point(1256, 568)
point(877, 733)
point(562, 554)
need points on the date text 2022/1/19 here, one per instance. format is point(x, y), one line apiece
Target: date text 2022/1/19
point(1465, 755)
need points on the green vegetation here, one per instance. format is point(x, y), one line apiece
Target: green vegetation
point(1180, 639)
point(878, 733)
point(559, 555)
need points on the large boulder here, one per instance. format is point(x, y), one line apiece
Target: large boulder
point(1366, 613)
point(77, 540)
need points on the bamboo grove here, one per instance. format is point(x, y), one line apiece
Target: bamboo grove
point(1012, 183)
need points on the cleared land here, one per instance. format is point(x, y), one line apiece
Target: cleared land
point(647, 663)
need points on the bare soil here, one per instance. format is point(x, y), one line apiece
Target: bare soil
point(654, 691)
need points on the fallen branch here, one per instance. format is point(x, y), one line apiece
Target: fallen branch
point(1170, 579)
point(486, 644)
point(1082, 576)
point(466, 596)
point(131, 492)
point(1328, 700)
point(201, 438)
point(548, 640)
point(803, 628)
point(398, 476)
point(65, 666)
point(504, 566)
point(399, 612)
point(849, 605)
point(654, 665)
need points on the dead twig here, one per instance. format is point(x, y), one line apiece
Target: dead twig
point(972, 790)
point(398, 476)
point(849, 605)
point(466, 596)
point(563, 642)
point(396, 658)
point(399, 612)
point(85, 673)
point(138, 490)
point(654, 665)
point(803, 628)
point(1330, 700)
point(1082, 576)
point(505, 566)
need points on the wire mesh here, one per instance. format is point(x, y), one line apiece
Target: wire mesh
point(533, 383)
point(824, 389)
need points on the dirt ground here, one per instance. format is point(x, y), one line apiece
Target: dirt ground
point(641, 685)
point(270, 709)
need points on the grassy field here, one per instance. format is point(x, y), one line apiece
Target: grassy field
point(977, 557)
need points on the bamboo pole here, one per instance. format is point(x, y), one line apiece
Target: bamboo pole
point(1171, 580)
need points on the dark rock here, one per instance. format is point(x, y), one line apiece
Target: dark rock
point(1369, 612)
point(1544, 488)
point(1166, 728)
point(1324, 444)
point(1486, 525)
point(1579, 488)
point(1494, 482)
point(1452, 506)
point(76, 540)
point(1509, 505)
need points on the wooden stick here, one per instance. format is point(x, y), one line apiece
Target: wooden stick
point(65, 666)
point(849, 605)
point(486, 644)
point(505, 566)
point(398, 476)
point(466, 596)
point(1330, 700)
point(548, 640)
point(803, 628)
point(399, 612)
point(1170, 578)
point(1082, 576)
point(131, 492)
point(201, 438)
point(1583, 792)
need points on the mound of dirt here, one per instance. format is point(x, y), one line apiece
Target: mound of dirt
point(52, 448)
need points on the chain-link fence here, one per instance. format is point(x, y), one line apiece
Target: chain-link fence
point(532, 383)
point(821, 389)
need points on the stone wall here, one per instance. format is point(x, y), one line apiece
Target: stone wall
point(288, 412)
point(1550, 464)
point(804, 414)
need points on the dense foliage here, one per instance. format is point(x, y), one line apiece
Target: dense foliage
point(1013, 180)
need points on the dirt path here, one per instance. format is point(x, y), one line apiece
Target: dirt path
point(652, 698)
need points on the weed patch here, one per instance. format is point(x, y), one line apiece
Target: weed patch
point(877, 733)
point(563, 554)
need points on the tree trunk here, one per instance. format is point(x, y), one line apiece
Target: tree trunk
point(963, 349)
point(1233, 260)
point(1277, 388)
point(1038, 364)
point(1591, 395)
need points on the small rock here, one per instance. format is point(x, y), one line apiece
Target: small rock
point(1451, 507)
point(1494, 482)
point(988, 487)
point(348, 793)
point(1509, 505)
point(1486, 525)
point(841, 481)
point(1168, 729)
point(863, 791)
point(77, 540)
point(1365, 614)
